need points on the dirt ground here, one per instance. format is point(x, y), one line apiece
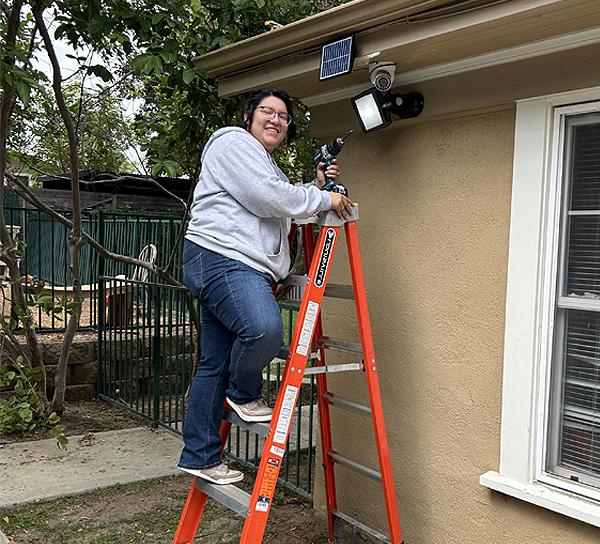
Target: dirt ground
point(149, 512)
point(85, 417)
point(145, 511)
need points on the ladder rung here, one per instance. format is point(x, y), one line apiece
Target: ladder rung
point(332, 290)
point(340, 345)
point(360, 526)
point(337, 290)
point(354, 465)
point(333, 368)
point(230, 496)
point(261, 429)
point(342, 402)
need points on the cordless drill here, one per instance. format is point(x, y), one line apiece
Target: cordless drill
point(327, 154)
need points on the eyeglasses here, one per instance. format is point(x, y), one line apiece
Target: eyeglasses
point(270, 113)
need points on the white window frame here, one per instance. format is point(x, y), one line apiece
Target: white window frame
point(531, 293)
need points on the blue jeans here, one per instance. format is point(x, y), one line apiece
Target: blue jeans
point(241, 333)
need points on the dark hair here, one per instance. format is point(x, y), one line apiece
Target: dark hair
point(257, 98)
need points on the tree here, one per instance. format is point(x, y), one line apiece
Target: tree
point(145, 50)
point(104, 133)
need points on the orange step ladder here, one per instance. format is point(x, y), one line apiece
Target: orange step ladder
point(308, 334)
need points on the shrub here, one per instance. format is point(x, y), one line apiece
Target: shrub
point(21, 408)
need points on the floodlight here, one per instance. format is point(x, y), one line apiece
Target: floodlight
point(374, 108)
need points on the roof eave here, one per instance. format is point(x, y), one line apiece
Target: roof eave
point(308, 33)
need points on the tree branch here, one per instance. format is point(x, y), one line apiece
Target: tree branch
point(26, 193)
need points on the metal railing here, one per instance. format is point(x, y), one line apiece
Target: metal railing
point(147, 348)
point(147, 352)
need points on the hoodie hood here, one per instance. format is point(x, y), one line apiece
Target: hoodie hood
point(221, 132)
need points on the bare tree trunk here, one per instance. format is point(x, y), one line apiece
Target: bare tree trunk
point(18, 299)
point(75, 240)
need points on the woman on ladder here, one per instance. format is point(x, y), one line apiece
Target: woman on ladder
point(235, 249)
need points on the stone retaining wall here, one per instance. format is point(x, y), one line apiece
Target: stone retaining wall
point(81, 374)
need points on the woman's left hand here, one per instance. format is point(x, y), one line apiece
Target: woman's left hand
point(333, 172)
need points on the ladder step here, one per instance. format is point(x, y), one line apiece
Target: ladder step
point(261, 429)
point(342, 402)
point(343, 518)
point(340, 345)
point(230, 496)
point(334, 368)
point(354, 465)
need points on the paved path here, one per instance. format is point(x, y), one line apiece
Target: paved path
point(31, 471)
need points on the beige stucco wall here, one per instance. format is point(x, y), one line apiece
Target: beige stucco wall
point(435, 209)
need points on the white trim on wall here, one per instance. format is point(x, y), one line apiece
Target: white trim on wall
point(530, 291)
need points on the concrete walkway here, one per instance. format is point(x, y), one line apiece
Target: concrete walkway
point(39, 470)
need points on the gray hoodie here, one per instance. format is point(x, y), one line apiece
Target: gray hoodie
point(243, 203)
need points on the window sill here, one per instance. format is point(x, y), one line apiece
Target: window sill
point(545, 496)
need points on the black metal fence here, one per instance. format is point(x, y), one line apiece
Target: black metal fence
point(147, 352)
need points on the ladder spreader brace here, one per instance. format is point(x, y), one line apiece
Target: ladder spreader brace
point(308, 334)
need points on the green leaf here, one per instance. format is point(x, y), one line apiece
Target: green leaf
point(158, 17)
point(26, 414)
point(98, 26)
point(45, 299)
point(62, 442)
point(189, 76)
point(138, 63)
point(157, 168)
point(23, 91)
point(100, 71)
point(171, 168)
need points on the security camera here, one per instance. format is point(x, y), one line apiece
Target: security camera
point(382, 75)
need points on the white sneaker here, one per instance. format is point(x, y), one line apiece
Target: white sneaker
point(220, 475)
point(253, 411)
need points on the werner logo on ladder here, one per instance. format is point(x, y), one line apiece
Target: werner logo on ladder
point(308, 333)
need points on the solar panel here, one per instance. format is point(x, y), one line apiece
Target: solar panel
point(337, 58)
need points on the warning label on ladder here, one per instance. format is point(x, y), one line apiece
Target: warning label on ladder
point(307, 328)
point(285, 416)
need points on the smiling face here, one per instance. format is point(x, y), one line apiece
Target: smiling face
point(269, 132)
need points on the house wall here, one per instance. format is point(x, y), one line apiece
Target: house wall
point(434, 203)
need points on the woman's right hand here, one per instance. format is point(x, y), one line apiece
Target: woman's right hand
point(342, 205)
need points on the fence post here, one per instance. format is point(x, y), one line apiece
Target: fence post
point(101, 309)
point(101, 242)
point(156, 356)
